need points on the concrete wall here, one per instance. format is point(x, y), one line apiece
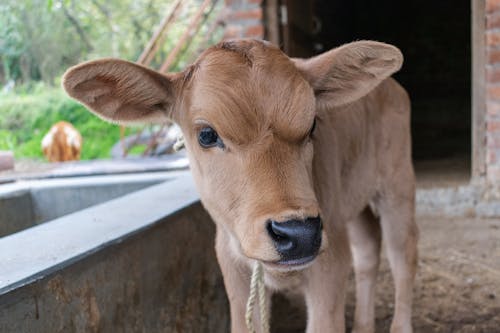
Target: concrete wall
point(156, 275)
point(16, 212)
point(51, 203)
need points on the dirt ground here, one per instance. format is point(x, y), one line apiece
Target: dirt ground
point(458, 281)
point(457, 286)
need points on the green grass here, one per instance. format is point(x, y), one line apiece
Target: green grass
point(25, 117)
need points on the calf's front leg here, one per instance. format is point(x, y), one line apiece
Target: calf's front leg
point(237, 284)
point(324, 291)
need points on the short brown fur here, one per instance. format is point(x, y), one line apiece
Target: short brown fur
point(355, 170)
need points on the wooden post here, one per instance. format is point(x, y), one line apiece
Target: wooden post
point(6, 160)
point(194, 22)
point(272, 22)
point(155, 41)
point(478, 8)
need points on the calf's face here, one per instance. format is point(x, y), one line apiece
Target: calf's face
point(248, 123)
point(247, 113)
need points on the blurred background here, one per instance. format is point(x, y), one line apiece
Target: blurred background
point(40, 39)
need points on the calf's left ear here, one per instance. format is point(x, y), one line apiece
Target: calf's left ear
point(123, 92)
point(349, 72)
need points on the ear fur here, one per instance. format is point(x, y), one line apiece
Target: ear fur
point(121, 91)
point(349, 72)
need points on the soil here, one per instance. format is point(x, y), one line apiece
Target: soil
point(457, 287)
point(458, 281)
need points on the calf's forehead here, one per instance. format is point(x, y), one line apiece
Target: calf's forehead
point(246, 92)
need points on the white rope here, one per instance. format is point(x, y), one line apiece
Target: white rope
point(257, 289)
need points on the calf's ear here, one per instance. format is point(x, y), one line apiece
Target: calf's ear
point(349, 72)
point(121, 91)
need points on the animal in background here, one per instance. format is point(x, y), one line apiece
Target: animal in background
point(62, 143)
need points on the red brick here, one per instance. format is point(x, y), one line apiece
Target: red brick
point(493, 108)
point(493, 75)
point(493, 126)
point(493, 20)
point(252, 14)
point(493, 37)
point(493, 56)
point(255, 31)
point(493, 140)
point(232, 31)
point(491, 157)
point(492, 5)
point(493, 92)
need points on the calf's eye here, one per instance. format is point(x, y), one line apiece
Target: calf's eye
point(208, 138)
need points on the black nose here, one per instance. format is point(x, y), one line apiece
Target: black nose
point(296, 241)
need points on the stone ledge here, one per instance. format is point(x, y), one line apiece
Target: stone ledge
point(472, 200)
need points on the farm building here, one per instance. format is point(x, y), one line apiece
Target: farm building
point(452, 55)
point(139, 255)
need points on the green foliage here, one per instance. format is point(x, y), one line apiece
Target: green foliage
point(25, 118)
point(40, 39)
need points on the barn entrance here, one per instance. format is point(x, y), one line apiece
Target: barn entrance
point(435, 38)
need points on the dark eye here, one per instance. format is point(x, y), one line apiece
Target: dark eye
point(208, 138)
point(313, 127)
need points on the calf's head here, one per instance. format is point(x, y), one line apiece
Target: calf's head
point(247, 113)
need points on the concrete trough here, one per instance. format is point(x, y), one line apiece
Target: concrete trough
point(28, 203)
point(143, 262)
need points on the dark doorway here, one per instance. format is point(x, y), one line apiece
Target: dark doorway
point(434, 37)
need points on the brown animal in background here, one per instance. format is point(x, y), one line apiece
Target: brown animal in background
point(299, 162)
point(62, 143)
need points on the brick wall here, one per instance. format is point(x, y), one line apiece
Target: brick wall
point(493, 90)
point(244, 19)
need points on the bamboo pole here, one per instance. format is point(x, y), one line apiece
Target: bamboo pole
point(197, 30)
point(155, 41)
point(194, 22)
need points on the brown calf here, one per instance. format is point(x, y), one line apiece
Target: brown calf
point(62, 143)
point(299, 162)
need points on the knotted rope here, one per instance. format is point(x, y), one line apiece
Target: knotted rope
point(179, 143)
point(257, 289)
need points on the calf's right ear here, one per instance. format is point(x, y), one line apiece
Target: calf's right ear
point(123, 92)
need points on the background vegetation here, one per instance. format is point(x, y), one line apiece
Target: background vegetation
point(26, 117)
point(40, 39)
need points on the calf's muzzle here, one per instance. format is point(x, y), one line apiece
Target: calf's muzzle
point(297, 241)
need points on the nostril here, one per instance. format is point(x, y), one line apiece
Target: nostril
point(295, 239)
point(275, 232)
point(280, 236)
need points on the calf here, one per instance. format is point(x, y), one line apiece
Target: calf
point(62, 143)
point(299, 162)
